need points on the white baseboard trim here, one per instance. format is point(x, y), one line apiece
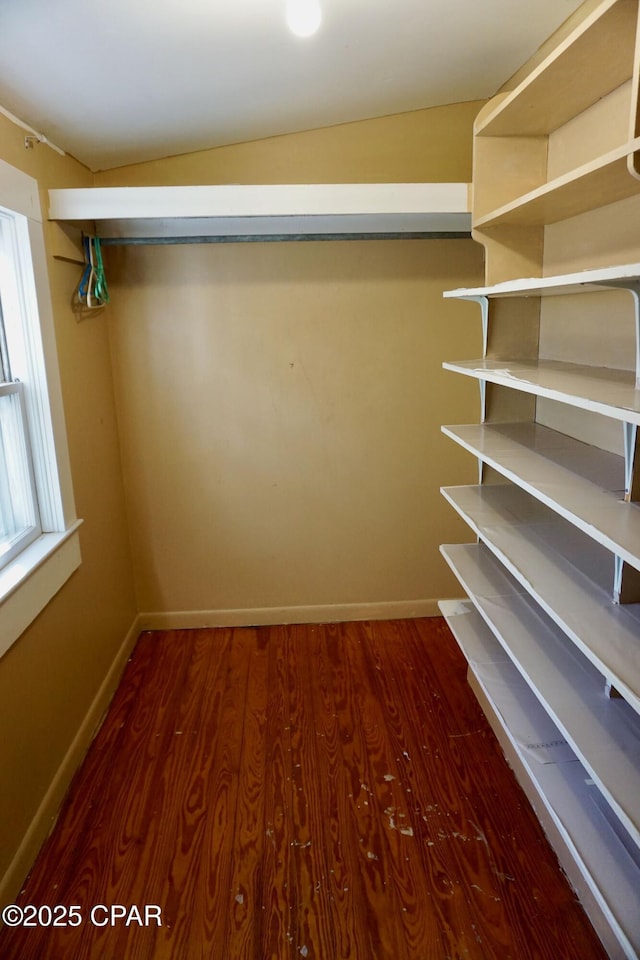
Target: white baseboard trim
point(269, 616)
point(46, 814)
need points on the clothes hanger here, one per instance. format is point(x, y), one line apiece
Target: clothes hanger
point(92, 289)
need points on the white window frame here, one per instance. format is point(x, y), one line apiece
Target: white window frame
point(18, 496)
point(30, 580)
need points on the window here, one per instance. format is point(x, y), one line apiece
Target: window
point(38, 530)
point(19, 514)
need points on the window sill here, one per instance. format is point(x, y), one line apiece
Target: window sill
point(29, 582)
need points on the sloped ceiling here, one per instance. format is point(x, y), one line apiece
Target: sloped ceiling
point(133, 80)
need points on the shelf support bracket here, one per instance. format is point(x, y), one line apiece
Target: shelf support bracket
point(635, 293)
point(631, 475)
point(483, 303)
point(617, 579)
point(634, 290)
point(626, 582)
point(626, 579)
point(483, 400)
point(484, 310)
point(611, 692)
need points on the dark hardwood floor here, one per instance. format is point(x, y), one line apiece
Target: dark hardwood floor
point(317, 792)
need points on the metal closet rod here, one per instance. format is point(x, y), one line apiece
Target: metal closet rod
point(281, 238)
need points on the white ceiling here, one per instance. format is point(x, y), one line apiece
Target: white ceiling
point(121, 81)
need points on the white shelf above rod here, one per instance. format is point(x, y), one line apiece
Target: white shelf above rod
point(236, 213)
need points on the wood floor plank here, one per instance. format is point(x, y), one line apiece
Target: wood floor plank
point(176, 816)
point(277, 905)
point(342, 884)
point(207, 905)
point(350, 882)
point(328, 792)
point(393, 796)
point(246, 887)
point(310, 867)
point(366, 762)
point(420, 822)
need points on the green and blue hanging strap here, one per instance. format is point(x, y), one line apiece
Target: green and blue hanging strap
point(86, 278)
point(92, 290)
point(100, 291)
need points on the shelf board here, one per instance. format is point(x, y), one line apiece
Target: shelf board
point(595, 184)
point(535, 458)
point(586, 281)
point(575, 75)
point(602, 390)
point(604, 733)
point(239, 210)
point(568, 575)
point(569, 799)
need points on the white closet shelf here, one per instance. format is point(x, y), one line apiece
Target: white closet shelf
point(602, 390)
point(599, 850)
point(538, 456)
point(585, 281)
point(567, 574)
point(270, 209)
point(604, 733)
point(571, 78)
point(533, 457)
point(594, 184)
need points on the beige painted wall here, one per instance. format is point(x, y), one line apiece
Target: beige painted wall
point(280, 409)
point(50, 677)
point(280, 404)
point(420, 146)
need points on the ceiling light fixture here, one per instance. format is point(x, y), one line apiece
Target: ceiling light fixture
point(303, 17)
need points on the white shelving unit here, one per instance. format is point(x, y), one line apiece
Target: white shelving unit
point(551, 629)
point(602, 858)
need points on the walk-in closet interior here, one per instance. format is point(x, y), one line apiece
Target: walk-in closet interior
point(342, 417)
